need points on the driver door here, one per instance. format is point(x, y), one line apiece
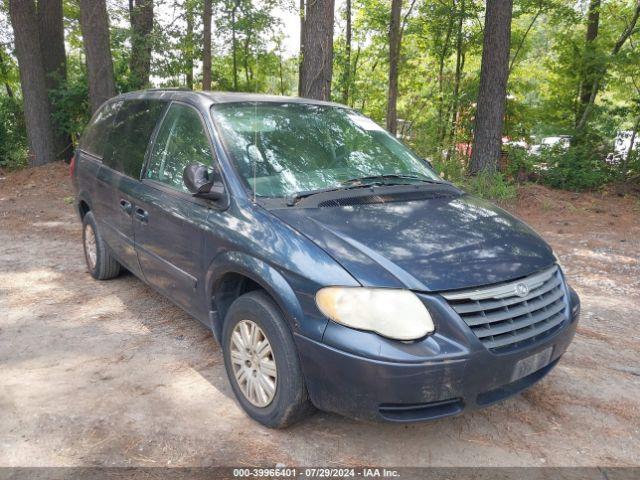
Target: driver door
point(167, 219)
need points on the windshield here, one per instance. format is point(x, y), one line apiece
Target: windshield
point(284, 149)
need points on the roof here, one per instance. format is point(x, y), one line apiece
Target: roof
point(222, 97)
point(229, 97)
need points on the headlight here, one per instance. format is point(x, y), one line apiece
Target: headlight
point(397, 314)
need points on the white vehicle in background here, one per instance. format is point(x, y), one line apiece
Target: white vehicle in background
point(564, 141)
point(507, 142)
point(622, 145)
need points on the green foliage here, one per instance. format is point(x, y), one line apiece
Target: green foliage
point(492, 186)
point(72, 111)
point(453, 169)
point(521, 165)
point(630, 167)
point(576, 168)
point(13, 134)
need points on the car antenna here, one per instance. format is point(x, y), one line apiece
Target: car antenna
point(255, 142)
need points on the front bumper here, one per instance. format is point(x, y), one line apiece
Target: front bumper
point(363, 376)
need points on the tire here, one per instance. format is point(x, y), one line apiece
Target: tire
point(290, 401)
point(100, 263)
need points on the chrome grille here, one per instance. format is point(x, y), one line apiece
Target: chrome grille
point(503, 319)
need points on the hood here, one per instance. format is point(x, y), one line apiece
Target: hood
point(437, 244)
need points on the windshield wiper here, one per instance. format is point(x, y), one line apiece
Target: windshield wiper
point(383, 179)
point(293, 198)
point(362, 182)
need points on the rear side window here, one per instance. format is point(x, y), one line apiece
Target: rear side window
point(130, 135)
point(96, 135)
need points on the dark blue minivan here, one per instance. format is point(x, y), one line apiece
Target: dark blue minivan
point(333, 265)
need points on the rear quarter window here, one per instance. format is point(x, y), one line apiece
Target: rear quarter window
point(97, 132)
point(130, 134)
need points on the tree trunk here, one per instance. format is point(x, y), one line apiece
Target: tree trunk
point(141, 18)
point(346, 76)
point(634, 134)
point(51, 31)
point(317, 50)
point(206, 50)
point(492, 94)
point(281, 71)
point(442, 56)
point(33, 82)
point(94, 24)
point(4, 70)
point(627, 157)
point(586, 86)
point(394, 58)
point(234, 47)
point(189, 50)
point(245, 58)
point(354, 76)
point(302, 16)
point(457, 79)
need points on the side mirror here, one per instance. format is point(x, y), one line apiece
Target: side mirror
point(197, 180)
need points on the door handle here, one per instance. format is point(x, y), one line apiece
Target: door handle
point(126, 206)
point(142, 215)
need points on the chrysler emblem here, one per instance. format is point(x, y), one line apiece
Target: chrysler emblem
point(521, 290)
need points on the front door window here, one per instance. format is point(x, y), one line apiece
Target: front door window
point(181, 141)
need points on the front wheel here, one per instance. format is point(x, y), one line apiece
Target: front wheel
point(262, 362)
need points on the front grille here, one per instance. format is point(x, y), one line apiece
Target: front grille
point(503, 319)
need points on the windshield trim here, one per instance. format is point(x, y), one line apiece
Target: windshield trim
point(313, 201)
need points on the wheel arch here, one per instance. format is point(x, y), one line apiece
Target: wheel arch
point(83, 204)
point(233, 273)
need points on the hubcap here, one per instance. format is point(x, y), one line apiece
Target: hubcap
point(254, 365)
point(90, 248)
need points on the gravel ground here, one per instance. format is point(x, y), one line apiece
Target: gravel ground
point(111, 374)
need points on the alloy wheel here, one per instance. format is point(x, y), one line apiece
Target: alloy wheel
point(90, 246)
point(253, 362)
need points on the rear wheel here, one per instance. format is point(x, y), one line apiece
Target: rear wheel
point(262, 362)
point(101, 265)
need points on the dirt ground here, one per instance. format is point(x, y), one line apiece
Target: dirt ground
point(110, 373)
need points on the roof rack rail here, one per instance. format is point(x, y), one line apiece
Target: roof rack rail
point(179, 89)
